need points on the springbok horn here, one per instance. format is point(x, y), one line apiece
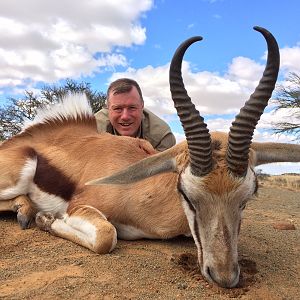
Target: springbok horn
point(196, 132)
point(242, 128)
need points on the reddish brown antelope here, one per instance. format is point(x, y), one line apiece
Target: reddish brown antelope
point(199, 187)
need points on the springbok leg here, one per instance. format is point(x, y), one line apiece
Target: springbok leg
point(17, 168)
point(25, 211)
point(22, 206)
point(83, 225)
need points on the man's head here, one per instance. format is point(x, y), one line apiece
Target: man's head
point(125, 106)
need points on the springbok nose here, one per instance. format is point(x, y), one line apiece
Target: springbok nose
point(223, 278)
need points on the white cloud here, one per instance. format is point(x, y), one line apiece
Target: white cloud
point(267, 136)
point(245, 72)
point(47, 41)
point(219, 124)
point(290, 57)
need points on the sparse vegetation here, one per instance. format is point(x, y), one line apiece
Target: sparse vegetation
point(290, 181)
point(288, 97)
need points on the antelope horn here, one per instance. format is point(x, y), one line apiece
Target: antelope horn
point(196, 132)
point(242, 128)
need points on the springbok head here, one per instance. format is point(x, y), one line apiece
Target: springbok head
point(215, 172)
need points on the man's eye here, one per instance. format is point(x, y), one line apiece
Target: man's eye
point(132, 108)
point(117, 109)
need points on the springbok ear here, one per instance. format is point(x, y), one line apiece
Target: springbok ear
point(275, 152)
point(159, 163)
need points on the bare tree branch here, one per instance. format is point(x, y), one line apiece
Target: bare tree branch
point(288, 97)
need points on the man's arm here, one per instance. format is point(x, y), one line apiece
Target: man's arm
point(167, 142)
point(102, 120)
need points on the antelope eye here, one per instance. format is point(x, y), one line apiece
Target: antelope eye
point(243, 206)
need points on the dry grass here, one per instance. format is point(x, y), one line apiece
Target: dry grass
point(289, 181)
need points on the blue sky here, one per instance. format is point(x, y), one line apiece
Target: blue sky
point(45, 42)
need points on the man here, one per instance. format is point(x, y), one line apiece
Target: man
point(125, 115)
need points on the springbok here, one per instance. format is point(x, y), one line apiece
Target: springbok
point(200, 186)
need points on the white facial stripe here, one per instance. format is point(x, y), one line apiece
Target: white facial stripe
point(192, 183)
point(26, 177)
point(190, 215)
point(47, 202)
point(247, 188)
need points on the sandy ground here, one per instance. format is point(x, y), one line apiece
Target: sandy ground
point(36, 265)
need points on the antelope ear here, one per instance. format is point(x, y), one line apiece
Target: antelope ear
point(159, 163)
point(275, 152)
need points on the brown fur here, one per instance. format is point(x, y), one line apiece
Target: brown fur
point(52, 180)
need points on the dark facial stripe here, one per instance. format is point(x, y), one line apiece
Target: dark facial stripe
point(256, 182)
point(239, 229)
point(256, 185)
point(52, 180)
point(197, 234)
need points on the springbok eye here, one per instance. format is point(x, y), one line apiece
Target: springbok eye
point(243, 206)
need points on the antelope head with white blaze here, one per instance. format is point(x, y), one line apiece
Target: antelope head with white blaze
point(216, 175)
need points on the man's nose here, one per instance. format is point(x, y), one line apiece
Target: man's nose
point(125, 113)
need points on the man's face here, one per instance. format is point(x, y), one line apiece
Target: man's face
point(125, 112)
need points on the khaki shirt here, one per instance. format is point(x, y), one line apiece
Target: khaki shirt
point(153, 129)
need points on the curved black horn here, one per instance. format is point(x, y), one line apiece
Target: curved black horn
point(242, 128)
point(196, 132)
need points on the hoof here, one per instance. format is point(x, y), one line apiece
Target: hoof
point(44, 220)
point(24, 221)
point(25, 212)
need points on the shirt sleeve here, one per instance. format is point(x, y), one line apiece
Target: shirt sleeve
point(102, 120)
point(167, 142)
